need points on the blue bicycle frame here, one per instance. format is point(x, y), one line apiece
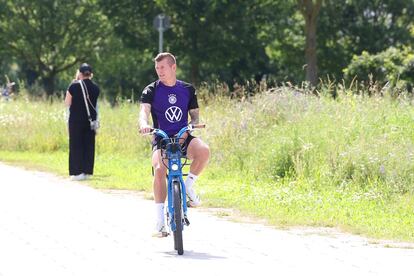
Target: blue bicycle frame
point(171, 147)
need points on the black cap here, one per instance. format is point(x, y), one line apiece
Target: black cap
point(85, 68)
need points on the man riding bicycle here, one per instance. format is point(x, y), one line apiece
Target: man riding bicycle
point(169, 101)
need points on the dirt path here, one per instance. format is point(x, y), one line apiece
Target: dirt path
point(51, 226)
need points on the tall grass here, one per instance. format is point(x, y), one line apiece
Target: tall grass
point(284, 155)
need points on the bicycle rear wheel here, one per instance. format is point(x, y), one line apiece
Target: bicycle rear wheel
point(178, 220)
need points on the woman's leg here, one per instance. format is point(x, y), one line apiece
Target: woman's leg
point(75, 149)
point(89, 151)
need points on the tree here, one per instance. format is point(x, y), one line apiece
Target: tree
point(220, 39)
point(126, 71)
point(347, 28)
point(310, 11)
point(286, 47)
point(51, 36)
point(392, 65)
point(215, 39)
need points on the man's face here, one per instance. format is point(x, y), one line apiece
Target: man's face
point(165, 71)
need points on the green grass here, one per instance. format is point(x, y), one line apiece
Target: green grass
point(284, 156)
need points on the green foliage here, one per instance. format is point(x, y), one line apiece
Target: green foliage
point(216, 44)
point(286, 50)
point(124, 74)
point(347, 28)
point(132, 22)
point(43, 41)
point(48, 37)
point(211, 39)
point(392, 65)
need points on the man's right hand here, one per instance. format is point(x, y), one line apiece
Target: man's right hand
point(145, 129)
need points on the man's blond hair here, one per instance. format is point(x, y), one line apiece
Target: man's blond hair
point(166, 55)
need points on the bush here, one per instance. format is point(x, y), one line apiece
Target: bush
point(393, 66)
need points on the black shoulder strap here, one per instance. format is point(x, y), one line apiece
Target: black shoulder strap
point(82, 84)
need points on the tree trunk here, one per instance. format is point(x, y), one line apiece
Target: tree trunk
point(194, 73)
point(310, 54)
point(310, 12)
point(49, 84)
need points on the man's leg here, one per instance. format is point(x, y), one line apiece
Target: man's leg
point(199, 153)
point(160, 192)
point(160, 171)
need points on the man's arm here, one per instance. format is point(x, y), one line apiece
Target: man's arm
point(144, 114)
point(195, 115)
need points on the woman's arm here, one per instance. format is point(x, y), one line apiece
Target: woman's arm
point(68, 99)
point(68, 103)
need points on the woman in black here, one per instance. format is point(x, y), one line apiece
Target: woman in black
point(81, 136)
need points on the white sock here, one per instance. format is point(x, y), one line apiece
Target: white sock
point(189, 182)
point(159, 209)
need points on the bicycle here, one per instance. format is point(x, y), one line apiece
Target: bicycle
point(176, 193)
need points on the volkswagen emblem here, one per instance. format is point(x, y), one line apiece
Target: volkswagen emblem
point(173, 114)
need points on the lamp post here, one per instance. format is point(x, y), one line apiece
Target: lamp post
point(161, 23)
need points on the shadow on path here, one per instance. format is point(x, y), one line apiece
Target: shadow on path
point(189, 254)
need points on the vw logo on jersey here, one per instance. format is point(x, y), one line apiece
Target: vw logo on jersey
point(172, 99)
point(173, 114)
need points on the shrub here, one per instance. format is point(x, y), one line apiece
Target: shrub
point(394, 66)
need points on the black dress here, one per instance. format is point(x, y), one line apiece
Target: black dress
point(81, 137)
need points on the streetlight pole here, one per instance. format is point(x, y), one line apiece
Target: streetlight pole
point(160, 32)
point(161, 23)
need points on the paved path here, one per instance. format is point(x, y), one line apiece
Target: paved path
point(51, 226)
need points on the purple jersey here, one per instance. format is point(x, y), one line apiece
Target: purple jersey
point(170, 104)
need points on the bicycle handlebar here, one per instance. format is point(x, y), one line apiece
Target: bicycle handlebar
point(162, 134)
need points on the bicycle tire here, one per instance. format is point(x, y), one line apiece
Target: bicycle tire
point(178, 233)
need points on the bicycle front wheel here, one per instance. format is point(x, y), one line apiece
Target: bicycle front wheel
point(178, 220)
